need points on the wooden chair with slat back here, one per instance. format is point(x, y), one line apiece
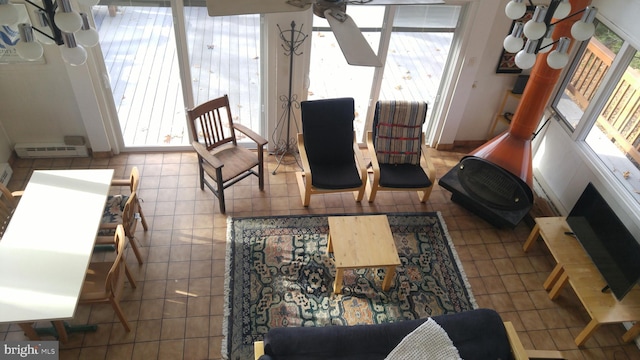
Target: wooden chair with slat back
point(104, 281)
point(133, 182)
point(127, 218)
point(220, 158)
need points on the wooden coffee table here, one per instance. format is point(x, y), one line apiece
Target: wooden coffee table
point(362, 242)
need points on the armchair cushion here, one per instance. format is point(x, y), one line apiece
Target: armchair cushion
point(113, 209)
point(397, 131)
point(403, 176)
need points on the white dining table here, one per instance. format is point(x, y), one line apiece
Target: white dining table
point(47, 246)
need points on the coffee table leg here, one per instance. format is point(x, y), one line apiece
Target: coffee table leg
point(388, 278)
point(337, 284)
point(533, 236)
point(329, 244)
point(560, 283)
point(553, 277)
point(587, 332)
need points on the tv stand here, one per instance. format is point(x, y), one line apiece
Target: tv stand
point(574, 266)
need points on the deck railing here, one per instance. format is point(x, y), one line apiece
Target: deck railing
point(620, 118)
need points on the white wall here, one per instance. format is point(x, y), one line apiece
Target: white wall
point(563, 166)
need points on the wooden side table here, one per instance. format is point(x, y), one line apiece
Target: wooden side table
point(574, 267)
point(362, 242)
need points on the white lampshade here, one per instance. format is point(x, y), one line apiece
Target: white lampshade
point(558, 57)
point(515, 9)
point(8, 13)
point(71, 52)
point(87, 36)
point(513, 44)
point(584, 29)
point(68, 21)
point(526, 57)
point(563, 9)
point(525, 60)
point(27, 48)
point(557, 60)
point(535, 28)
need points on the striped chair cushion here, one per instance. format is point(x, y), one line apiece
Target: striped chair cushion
point(398, 131)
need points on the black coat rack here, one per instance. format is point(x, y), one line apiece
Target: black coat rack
point(281, 137)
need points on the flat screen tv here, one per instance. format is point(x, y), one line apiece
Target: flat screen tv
point(611, 246)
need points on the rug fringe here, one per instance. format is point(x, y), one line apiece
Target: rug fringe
point(463, 274)
point(227, 289)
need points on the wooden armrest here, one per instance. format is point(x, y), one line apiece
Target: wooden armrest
point(430, 169)
point(206, 155)
point(17, 193)
point(517, 349)
point(304, 159)
point(251, 134)
point(258, 349)
point(362, 167)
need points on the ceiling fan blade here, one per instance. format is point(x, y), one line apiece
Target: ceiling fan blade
point(239, 7)
point(354, 46)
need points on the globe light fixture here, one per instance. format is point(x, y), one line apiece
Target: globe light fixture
point(65, 28)
point(515, 9)
point(538, 32)
point(27, 48)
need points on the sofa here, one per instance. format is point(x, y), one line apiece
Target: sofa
point(476, 334)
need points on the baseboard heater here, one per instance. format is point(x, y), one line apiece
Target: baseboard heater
point(50, 150)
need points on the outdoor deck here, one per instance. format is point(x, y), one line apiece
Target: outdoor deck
point(140, 54)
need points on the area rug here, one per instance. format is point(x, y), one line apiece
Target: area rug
point(279, 274)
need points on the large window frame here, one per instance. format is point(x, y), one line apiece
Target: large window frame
point(580, 132)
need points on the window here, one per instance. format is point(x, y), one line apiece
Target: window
point(600, 102)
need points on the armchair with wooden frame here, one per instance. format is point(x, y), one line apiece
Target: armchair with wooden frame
point(220, 158)
point(329, 153)
point(399, 158)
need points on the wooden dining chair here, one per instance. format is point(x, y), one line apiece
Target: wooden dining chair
point(104, 281)
point(133, 182)
point(114, 216)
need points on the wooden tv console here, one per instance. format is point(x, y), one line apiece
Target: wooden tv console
point(574, 266)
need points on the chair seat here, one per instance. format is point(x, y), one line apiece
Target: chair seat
point(236, 160)
point(335, 176)
point(94, 281)
point(405, 176)
point(113, 213)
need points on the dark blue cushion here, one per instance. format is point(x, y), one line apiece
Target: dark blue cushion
point(403, 176)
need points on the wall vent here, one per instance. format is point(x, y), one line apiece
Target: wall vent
point(50, 150)
point(5, 173)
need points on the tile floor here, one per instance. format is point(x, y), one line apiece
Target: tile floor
point(176, 312)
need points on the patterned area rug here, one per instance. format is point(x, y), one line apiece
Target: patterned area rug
point(279, 274)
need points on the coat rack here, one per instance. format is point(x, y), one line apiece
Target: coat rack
point(284, 143)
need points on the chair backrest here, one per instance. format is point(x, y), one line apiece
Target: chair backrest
point(327, 129)
point(397, 131)
point(8, 204)
point(129, 220)
point(212, 124)
point(134, 179)
point(117, 273)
